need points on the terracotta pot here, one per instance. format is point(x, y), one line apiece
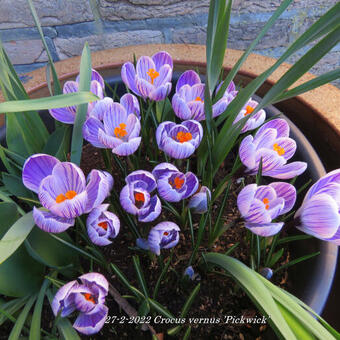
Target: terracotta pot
point(310, 112)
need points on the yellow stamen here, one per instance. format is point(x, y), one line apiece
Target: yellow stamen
point(199, 99)
point(120, 131)
point(183, 136)
point(279, 149)
point(249, 110)
point(68, 196)
point(266, 201)
point(153, 74)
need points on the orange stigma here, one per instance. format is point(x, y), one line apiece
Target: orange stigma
point(68, 196)
point(153, 74)
point(166, 233)
point(89, 297)
point(120, 131)
point(177, 183)
point(266, 202)
point(279, 149)
point(103, 225)
point(199, 99)
point(139, 197)
point(184, 136)
point(249, 110)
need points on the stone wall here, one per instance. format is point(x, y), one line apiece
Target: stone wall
point(67, 24)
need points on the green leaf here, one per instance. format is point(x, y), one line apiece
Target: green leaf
point(36, 317)
point(56, 83)
point(15, 236)
point(300, 259)
point(51, 251)
point(255, 289)
point(11, 307)
point(45, 103)
point(58, 143)
point(160, 309)
point(15, 186)
point(16, 330)
point(84, 85)
point(140, 275)
point(275, 257)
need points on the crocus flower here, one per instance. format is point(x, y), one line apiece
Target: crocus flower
point(164, 235)
point(179, 140)
point(173, 185)
point(67, 115)
point(136, 197)
point(87, 296)
point(114, 126)
point(62, 189)
point(199, 202)
point(152, 76)
point(253, 122)
point(319, 214)
point(259, 205)
point(102, 225)
point(188, 101)
point(271, 144)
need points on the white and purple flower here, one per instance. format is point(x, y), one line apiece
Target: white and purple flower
point(199, 202)
point(179, 140)
point(164, 235)
point(67, 115)
point(259, 205)
point(62, 189)
point(188, 101)
point(319, 214)
point(253, 122)
point(115, 126)
point(271, 144)
point(152, 76)
point(136, 197)
point(173, 185)
point(102, 225)
point(87, 296)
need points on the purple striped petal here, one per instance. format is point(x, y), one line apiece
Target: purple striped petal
point(188, 77)
point(162, 131)
point(113, 117)
point(152, 212)
point(65, 115)
point(51, 223)
point(96, 279)
point(245, 198)
point(127, 148)
point(319, 216)
point(220, 106)
point(98, 188)
point(165, 74)
point(69, 177)
point(160, 93)
point(287, 192)
point(92, 322)
point(144, 87)
point(289, 146)
point(163, 169)
point(280, 125)
point(178, 150)
point(191, 182)
point(96, 89)
point(197, 110)
point(70, 87)
point(132, 126)
point(128, 75)
point(270, 161)
point(162, 58)
point(144, 65)
point(142, 243)
point(101, 107)
point(247, 152)
point(257, 213)
point(94, 76)
point(144, 176)
point(126, 201)
point(199, 202)
point(167, 192)
point(180, 107)
point(36, 168)
point(61, 300)
point(130, 104)
point(91, 129)
point(266, 229)
point(287, 171)
point(107, 140)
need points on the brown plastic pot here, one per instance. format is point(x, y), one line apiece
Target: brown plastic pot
point(314, 114)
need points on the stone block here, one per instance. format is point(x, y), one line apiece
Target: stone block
point(51, 12)
point(73, 46)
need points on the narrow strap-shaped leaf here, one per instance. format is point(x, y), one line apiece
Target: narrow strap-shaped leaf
point(255, 289)
point(46, 103)
point(11, 307)
point(15, 236)
point(160, 309)
point(56, 83)
point(16, 330)
point(36, 317)
point(84, 85)
point(140, 275)
point(309, 85)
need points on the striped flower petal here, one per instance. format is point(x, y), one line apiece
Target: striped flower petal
point(265, 229)
point(128, 74)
